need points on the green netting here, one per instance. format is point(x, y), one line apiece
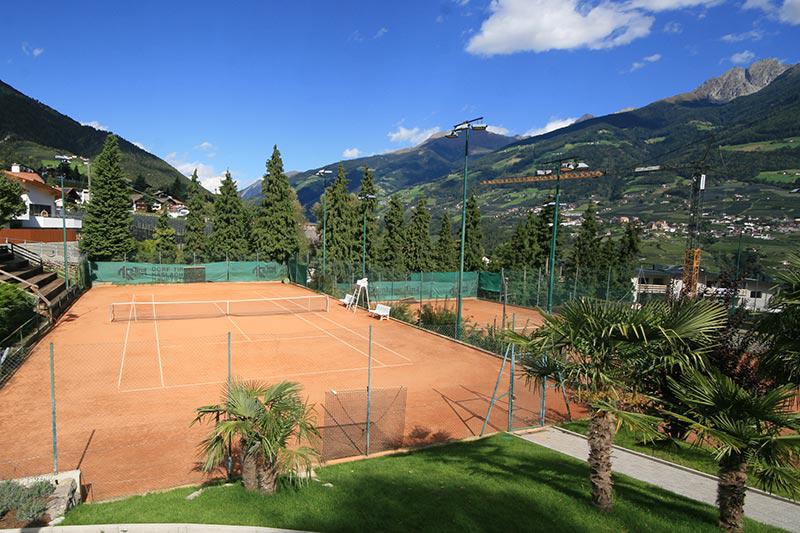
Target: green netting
point(126, 273)
point(490, 281)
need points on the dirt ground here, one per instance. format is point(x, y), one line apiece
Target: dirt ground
point(126, 390)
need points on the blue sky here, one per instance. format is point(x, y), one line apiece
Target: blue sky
point(214, 85)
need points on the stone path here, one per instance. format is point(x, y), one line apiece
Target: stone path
point(698, 486)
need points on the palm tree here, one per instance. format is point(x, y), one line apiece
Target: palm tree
point(749, 430)
point(782, 328)
point(601, 347)
point(264, 419)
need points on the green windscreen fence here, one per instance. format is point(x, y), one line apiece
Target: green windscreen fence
point(126, 273)
point(417, 286)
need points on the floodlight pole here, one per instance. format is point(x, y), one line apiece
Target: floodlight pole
point(551, 282)
point(323, 174)
point(364, 198)
point(64, 228)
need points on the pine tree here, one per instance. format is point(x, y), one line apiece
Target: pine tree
point(368, 205)
point(11, 204)
point(630, 244)
point(586, 253)
point(107, 226)
point(140, 184)
point(194, 240)
point(165, 238)
point(446, 251)
point(473, 237)
point(419, 249)
point(229, 235)
point(275, 226)
point(522, 250)
point(393, 243)
point(176, 190)
point(342, 220)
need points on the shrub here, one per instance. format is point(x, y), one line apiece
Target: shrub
point(11, 495)
point(31, 508)
point(41, 489)
point(16, 307)
point(401, 311)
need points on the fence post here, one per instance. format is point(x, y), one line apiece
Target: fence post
point(542, 403)
point(227, 268)
point(369, 388)
point(511, 377)
point(575, 283)
point(608, 282)
point(53, 407)
point(538, 285)
point(230, 447)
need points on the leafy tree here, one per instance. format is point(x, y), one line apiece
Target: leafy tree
point(750, 431)
point(368, 205)
point(276, 233)
point(473, 244)
point(394, 237)
point(342, 222)
point(229, 237)
point(165, 238)
point(194, 240)
point(11, 204)
point(272, 426)
point(419, 249)
point(106, 228)
point(446, 251)
point(601, 348)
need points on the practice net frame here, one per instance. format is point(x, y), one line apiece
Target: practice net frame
point(155, 310)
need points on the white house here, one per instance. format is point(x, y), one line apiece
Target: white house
point(40, 202)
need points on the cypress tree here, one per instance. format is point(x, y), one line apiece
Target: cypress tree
point(176, 190)
point(630, 244)
point(368, 205)
point(446, 251)
point(419, 249)
point(473, 240)
point(165, 238)
point(194, 241)
point(394, 237)
point(586, 251)
point(342, 220)
point(276, 233)
point(106, 232)
point(229, 235)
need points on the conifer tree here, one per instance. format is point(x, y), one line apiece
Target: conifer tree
point(394, 237)
point(342, 220)
point(176, 190)
point(629, 244)
point(106, 232)
point(276, 233)
point(194, 240)
point(165, 238)
point(473, 237)
point(368, 205)
point(419, 249)
point(587, 251)
point(140, 184)
point(446, 251)
point(229, 235)
point(544, 225)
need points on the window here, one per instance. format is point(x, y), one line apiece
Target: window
point(755, 294)
point(36, 209)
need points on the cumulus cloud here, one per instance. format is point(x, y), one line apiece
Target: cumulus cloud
point(644, 61)
point(205, 146)
point(542, 25)
point(209, 178)
point(673, 27)
point(554, 124)
point(790, 12)
point(96, 125)
point(351, 153)
point(412, 136)
point(381, 32)
point(752, 35)
point(499, 130)
point(787, 11)
point(742, 58)
point(28, 50)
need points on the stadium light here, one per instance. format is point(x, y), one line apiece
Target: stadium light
point(323, 173)
point(465, 126)
point(364, 198)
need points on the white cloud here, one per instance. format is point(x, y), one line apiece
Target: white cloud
point(763, 5)
point(381, 32)
point(28, 50)
point(644, 61)
point(669, 5)
point(412, 136)
point(790, 12)
point(96, 125)
point(499, 130)
point(673, 27)
point(554, 124)
point(742, 58)
point(351, 153)
point(36, 52)
point(752, 35)
point(209, 178)
point(205, 146)
point(138, 145)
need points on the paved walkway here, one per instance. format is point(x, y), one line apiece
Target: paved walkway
point(698, 486)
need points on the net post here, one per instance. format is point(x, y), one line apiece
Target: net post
point(53, 407)
point(369, 389)
point(511, 377)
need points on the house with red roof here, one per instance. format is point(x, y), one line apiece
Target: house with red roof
point(41, 211)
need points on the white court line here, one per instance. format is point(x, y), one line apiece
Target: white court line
point(275, 376)
point(179, 344)
point(332, 335)
point(232, 322)
point(158, 342)
point(364, 337)
point(125, 344)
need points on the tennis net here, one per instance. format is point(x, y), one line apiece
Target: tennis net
point(154, 310)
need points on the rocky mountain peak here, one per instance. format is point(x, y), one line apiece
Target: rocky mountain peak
point(735, 82)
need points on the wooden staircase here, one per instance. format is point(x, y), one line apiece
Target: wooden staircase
point(21, 267)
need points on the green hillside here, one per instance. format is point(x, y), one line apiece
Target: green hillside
point(32, 133)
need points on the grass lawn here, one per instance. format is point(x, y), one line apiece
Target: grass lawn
point(500, 483)
point(681, 453)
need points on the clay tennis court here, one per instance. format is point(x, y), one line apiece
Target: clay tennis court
point(484, 313)
point(126, 389)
